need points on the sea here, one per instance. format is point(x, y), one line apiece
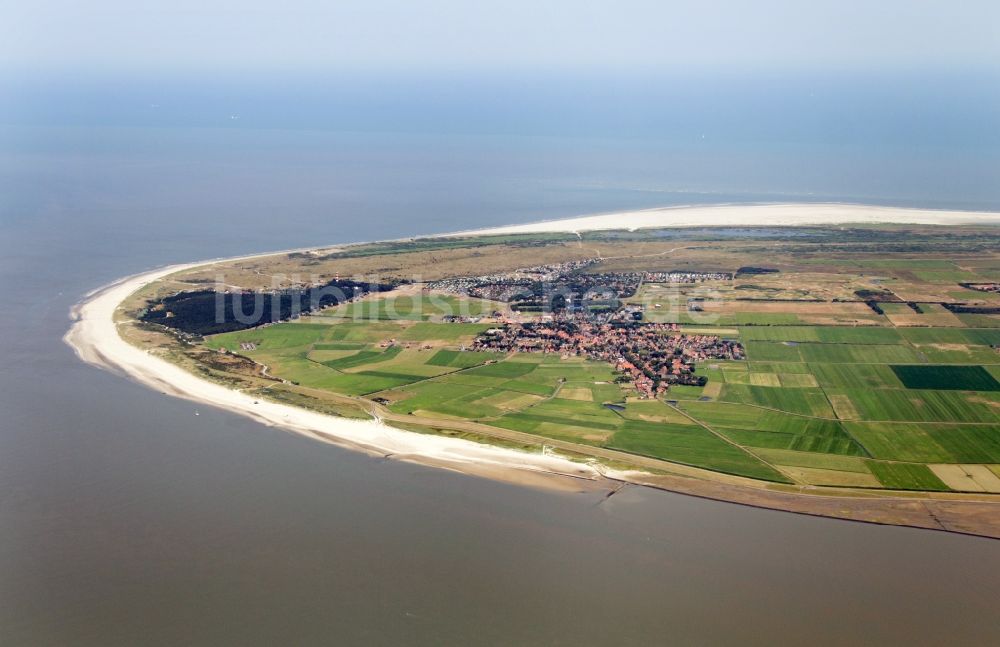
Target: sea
point(129, 517)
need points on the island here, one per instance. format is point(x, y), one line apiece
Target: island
point(835, 360)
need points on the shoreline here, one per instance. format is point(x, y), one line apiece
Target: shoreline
point(95, 339)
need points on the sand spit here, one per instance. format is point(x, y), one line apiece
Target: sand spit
point(758, 215)
point(95, 338)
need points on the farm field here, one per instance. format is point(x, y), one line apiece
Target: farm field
point(811, 404)
point(854, 370)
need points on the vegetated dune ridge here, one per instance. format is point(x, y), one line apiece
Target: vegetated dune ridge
point(95, 339)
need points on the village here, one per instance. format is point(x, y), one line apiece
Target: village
point(575, 313)
point(651, 356)
point(564, 286)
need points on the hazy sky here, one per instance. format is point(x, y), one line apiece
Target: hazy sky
point(429, 35)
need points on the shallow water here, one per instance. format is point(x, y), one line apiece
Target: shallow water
point(127, 519)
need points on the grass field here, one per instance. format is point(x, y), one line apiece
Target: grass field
point(825, 334)
point(808, 402)
point(922, 405)
point(692, 445)
point(460, 359)
point(906, 476)
point(937, 443)
point(951, 378)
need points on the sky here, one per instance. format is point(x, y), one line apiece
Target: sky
point(430, 36)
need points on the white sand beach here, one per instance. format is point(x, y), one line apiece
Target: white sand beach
point(95, 338)
point(758, 215)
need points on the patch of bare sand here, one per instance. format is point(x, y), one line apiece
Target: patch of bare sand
point(750, 215)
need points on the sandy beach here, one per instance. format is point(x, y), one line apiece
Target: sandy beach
point(761, 215)
point(95, 338)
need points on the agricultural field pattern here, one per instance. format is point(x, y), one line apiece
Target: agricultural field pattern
point(824, 357)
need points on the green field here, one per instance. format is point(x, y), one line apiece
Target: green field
point(808, 402)
point(816, 460)
point(916, 442)
point(921, 405)
point(818, 400)
point(951, 378)
point(981, 337)
point(691, 445)
point(825, 334)
point(860, 376)
point(364, 357)
point(460, 359)
point(906, 476)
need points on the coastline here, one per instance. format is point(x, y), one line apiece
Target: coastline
point(95, 339)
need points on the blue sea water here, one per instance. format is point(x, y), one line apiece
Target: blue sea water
point(501, 149)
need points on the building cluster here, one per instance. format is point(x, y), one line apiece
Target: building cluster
point(507, 286)
point(547, 288)
point(583, 314)
point(495, 287)
point(555, 271)
point(651, 356)
point(473, 319)
point(563, 286)
point(984, 287)
point(505, 290)
point(686, 277)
